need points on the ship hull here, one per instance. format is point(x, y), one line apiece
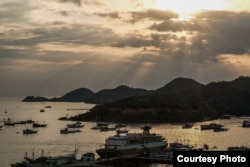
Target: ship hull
point(131, 152)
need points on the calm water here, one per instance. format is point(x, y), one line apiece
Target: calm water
point(14, 145)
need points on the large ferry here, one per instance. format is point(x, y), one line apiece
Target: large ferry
point(132, 144)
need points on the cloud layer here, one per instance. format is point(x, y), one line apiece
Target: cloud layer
point(51, 47)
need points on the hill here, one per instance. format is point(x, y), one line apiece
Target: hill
point(203, 102)
point(77, 95)
point(111, 95)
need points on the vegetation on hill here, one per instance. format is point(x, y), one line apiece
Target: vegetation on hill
point(180, 100)
point(204, 103)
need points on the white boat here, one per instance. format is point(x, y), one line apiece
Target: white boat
point(132, 144)
point(75, 125)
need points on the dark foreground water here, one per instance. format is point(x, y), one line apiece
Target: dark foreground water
point(14, 145)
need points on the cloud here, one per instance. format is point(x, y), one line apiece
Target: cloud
point(114, 15)
point(152, 14)
point(82, 2)
point(76, 2)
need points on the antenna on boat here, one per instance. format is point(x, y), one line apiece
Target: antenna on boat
point(33, 154)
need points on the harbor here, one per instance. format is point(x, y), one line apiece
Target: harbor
point(49, 142)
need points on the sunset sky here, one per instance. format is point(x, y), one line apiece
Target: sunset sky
point(50, 47)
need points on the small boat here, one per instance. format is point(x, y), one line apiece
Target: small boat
point(8, 122)
point(29, 121)
point(122, 131)
point(75, 125)
point(66, 131)
point(240, 148)
point(246, 124)
point(42, 110)
point(46, 161)
point(48, 107)
point(37, 125)
point(20, 122)
point(29, 131)
point(210, 126)
point(187, 126)
point(120, 126)
point(106, 128)
point(99, 124)
point(89, 156)
point(220, 129)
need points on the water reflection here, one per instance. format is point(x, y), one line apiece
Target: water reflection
point(14, 144)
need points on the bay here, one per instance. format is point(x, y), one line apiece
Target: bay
point(14, 145)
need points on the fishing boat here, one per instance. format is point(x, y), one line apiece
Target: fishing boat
point(46, 161)
point(66, 131)
point(187, 125)
point(210, 126)
point(8, 122)
point(132, 144)
point(39, 125)
point(29, 131)
point(246, 124)
point(75, 125)
point(220, 129)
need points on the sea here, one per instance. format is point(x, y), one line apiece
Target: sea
point(14, 145)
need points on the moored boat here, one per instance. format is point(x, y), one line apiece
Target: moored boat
point(132, 144)
point(29, 131)
point(246, 124)
point(187, 125)
point(220, 129)
point(39, 125)
point(66, 131)
point(210, 126)
point(75, 125)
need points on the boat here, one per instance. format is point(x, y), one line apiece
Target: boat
point(187, 125)
point(122, 131)
point(210, 126)
point(39, 125)
point(66, 131)
point(220, 129)
point(29, 121)
point(8, 122)
point(69, 160)
point(42, 110)
point(246, 124)
point(48, 106)
point(29, 131)
point(238, 148)
point(89, 156)
point(46, 161)
point(75, 125)
point(132, 144)
point(106, 128)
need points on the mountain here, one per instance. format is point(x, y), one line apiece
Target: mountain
point(77, 95)
point(178, 101)
point(34, 99)
point(111, 95)
point(180, 85)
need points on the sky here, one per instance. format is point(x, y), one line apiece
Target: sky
point(51, 47)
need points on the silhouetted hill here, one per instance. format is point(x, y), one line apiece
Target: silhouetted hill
point(180, 85)
point(111, 95)
point(34, 99)
point(77, 95)
point(198, 103)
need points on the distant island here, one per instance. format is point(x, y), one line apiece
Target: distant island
point(181, 100)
